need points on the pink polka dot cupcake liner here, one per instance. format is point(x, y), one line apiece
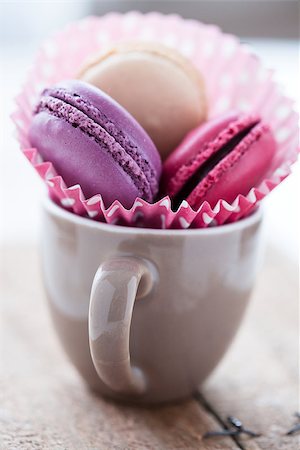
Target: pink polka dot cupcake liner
point(235, 79)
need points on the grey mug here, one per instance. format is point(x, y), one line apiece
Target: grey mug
point(145, 315)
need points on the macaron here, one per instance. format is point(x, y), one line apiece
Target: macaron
point(94, 142)
point(225, 157)
point(161, 88)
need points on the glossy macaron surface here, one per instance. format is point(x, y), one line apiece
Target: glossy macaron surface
point(94, 142)
point(220, 160)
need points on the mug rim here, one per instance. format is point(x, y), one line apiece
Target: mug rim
point(52, 208)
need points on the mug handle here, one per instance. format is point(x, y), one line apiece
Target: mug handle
point(117, 284)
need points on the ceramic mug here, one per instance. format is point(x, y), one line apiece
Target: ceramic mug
point(145, 315)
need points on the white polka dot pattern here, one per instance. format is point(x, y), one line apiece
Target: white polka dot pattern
point(234, 79)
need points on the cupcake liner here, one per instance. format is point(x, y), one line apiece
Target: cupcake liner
point(235, 79)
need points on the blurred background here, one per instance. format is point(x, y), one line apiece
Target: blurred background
point(270, 27)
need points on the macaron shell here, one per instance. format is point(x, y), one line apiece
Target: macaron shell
point(184, 161)
point(118, 117)
point(62, 144)
point(165, 93)
point(244, 168)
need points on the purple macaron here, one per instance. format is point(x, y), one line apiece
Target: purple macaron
point(94, 142)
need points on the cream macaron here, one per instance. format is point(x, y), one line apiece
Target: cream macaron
point(156, 84)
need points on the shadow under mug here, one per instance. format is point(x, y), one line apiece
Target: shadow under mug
point(145, 315)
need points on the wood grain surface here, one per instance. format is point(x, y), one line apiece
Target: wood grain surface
point(45, 405)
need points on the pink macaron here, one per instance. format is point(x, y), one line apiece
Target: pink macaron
point(221, 159)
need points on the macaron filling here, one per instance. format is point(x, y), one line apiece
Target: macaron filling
point(128, 157)
point(217, 155)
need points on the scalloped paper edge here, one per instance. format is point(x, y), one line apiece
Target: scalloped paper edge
point(276, 107)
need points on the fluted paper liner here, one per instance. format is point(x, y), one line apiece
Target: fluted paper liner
point(235, 79)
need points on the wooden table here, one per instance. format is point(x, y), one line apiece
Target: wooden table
point(45, 405)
